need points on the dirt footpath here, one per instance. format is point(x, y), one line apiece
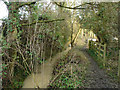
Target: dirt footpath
point(96, 77)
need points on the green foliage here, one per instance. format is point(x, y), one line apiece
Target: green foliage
point(101, 22)
point(3, 69)
point(24, 45)
point(17, 84)
point(68, 81)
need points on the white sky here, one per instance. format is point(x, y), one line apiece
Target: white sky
point(3, 11)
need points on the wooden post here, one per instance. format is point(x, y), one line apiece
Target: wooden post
point(89, 44)
point(119, 65)
point(104, 58)
point(81, 33)
point(94, 48)
point(99, 50)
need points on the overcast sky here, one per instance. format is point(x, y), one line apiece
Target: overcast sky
point(3, 10)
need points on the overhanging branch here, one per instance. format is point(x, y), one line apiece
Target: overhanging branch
point(30, 3)
point(45, 21)
point(76, 7)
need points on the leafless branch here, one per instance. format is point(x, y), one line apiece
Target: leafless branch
point(76, 7)
point(30, 3)
point(45, 21)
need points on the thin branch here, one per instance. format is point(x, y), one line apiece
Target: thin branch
point(83, 4)
point(56, 76)
point(76, 7)
point(45, 21)
point(30, 3)
point(18, 47)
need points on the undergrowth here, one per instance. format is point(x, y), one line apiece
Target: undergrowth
point(70, 71)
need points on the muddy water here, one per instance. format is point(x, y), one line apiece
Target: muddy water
point(42, 79)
